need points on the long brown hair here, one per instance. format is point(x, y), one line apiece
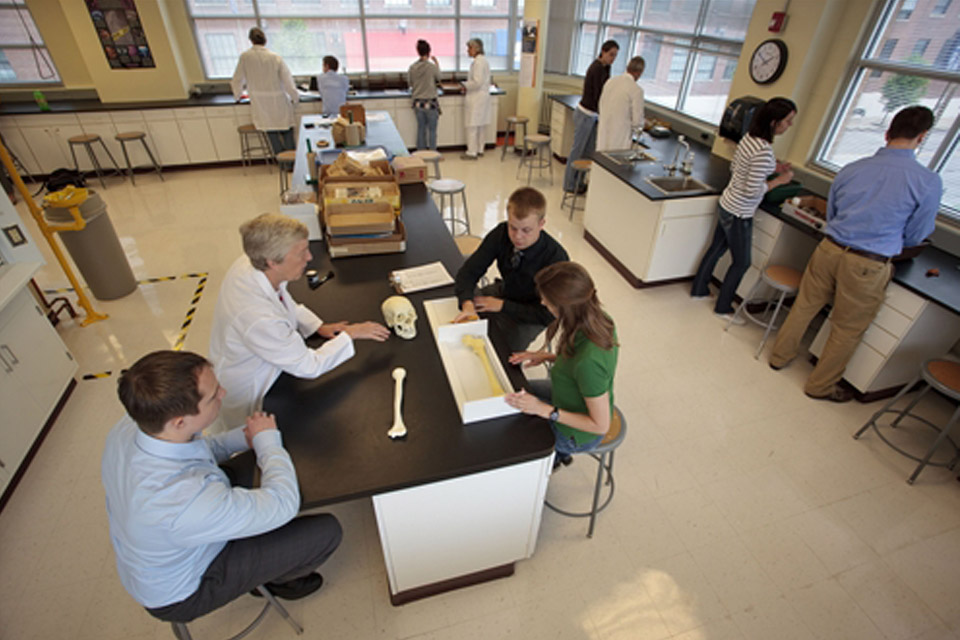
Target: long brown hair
point(570, 289)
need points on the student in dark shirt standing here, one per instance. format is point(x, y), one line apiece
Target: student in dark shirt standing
point(585, 115)
point(520, 248)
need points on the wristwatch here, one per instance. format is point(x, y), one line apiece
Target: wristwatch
point(555, 414)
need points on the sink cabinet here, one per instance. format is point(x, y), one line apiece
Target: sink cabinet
point(654, 240)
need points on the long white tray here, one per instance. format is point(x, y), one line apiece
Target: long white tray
point(468, 379)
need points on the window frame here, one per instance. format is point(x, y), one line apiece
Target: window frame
point(461, 11)
point(884, 14)
point(39, 49)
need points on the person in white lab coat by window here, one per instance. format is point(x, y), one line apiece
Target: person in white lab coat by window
point(259, 329)
point(273, 94)
point(333, 86)
point(621, 108)
point(476, 101)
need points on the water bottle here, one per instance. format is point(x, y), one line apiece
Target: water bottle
point(41, 100)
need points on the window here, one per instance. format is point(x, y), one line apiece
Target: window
point(940, 9)
point(23, 56)
point(694, 36)
point(883, 81)
point(382, 40)
point(906, 9)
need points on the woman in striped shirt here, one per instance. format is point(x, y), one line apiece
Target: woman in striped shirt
point(753, 162)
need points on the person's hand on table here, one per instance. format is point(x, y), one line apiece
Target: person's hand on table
point(468, 313)
point(529, 358)
point(259, 421)
point(367, 331)
point(528, 404)
point(331, 329)
point(488, 304)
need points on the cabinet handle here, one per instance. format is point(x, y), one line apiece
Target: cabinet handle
point(13, 356)
point(6, 365)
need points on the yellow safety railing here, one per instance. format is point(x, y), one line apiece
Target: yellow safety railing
point(70, 198)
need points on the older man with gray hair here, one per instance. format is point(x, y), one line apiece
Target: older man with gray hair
point(259, 329)
point(621, 108)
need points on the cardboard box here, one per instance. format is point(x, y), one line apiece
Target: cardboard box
point(359, 192)
point(384, 166)
point(410, 169)
point(359, 114)
point(356, 219)
point(305, 212)
point(466, 373)
point(345, 247)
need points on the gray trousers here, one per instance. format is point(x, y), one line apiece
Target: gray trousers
point(519, 335)
point(292, 551)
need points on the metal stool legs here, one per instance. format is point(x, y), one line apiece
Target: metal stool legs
point(447, 199)
point(512, 126)
point(181, 631)
point(126, 157)
point(94, 161)
point(604, 463)
point(742, 311)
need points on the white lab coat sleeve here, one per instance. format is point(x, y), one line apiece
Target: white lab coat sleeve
point(479, 76)
point(307, 321)
point(239, 81)
point(286, 80)
point(276, 342)
point(636, 107)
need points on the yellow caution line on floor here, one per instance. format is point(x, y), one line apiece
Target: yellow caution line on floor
point(178, 345)
point(202, 274)
point(97, 376)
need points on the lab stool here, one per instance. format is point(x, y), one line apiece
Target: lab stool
point(133, 136)
point(603, 454)
point(285, 163)
point(540, 158)
point(254, 145)
point(580, 170)
point(512, 123)
point(944, 377)
point(781, 278)
point(87, 142)
point(181, 632)
point(447, 189)
point(431, 157)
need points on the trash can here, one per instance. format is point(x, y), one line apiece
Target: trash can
point(96, 249)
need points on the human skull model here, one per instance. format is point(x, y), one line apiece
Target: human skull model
point(400, 316)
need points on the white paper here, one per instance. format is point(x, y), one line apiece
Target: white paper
point(426, 276)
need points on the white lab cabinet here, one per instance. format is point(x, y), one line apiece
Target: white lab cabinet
point(165, 133)
point(222, 122)
point(195, 132)
point(561, 129)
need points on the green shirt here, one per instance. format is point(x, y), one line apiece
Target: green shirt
point(588, 374)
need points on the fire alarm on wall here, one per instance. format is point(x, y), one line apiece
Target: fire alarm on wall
point(777, 21)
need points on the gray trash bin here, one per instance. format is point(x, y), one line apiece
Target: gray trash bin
point(96, 249)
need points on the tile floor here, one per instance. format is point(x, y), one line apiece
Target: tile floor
point(743, 509)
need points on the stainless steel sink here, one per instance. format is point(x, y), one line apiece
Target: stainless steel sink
point(629, 156)
point(678, 184)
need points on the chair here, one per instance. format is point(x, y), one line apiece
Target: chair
point(285, 162)
point(512, 123)
point(447, 188)
point(431, 157)
point(603, 454)
point(87, 141)
point(540, 157)
point(580, 170)
point(254, 145)
point(944, 377)
point(181, 632)
point(781, 278)
point(133, 136)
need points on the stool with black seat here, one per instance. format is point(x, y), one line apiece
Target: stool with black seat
point(603, 454)
point(943, 376)
point(181, 632)
point(785, 280)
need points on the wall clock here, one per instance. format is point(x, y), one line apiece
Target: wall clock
point(768, 61)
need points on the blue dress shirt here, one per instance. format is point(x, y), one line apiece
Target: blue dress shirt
point(333, 88)
point(883, 203)
point(172, 509)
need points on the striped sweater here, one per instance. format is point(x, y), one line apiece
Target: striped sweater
point(753, 162)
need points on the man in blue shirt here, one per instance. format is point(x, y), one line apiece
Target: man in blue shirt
point(333, 86)
point(877, 206)
point(186, 541)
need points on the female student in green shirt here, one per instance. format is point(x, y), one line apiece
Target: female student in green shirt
point(581, 378)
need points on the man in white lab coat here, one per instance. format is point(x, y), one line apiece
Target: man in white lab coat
point(621, 108)
point(259, 329)
point(476, 101)
point(273, 94)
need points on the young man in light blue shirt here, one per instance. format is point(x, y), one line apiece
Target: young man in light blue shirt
point(333, 86)
point(877, 206)
point(186, 541)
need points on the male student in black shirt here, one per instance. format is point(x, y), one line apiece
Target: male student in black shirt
point(521, 248)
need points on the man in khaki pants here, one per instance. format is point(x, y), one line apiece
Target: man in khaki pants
point(877, 205)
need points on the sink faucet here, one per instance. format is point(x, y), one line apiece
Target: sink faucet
point(673, 166)
point(688, 160)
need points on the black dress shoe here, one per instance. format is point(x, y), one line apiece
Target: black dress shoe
point(293, 589)
point(838, 394)
point(562, 459)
